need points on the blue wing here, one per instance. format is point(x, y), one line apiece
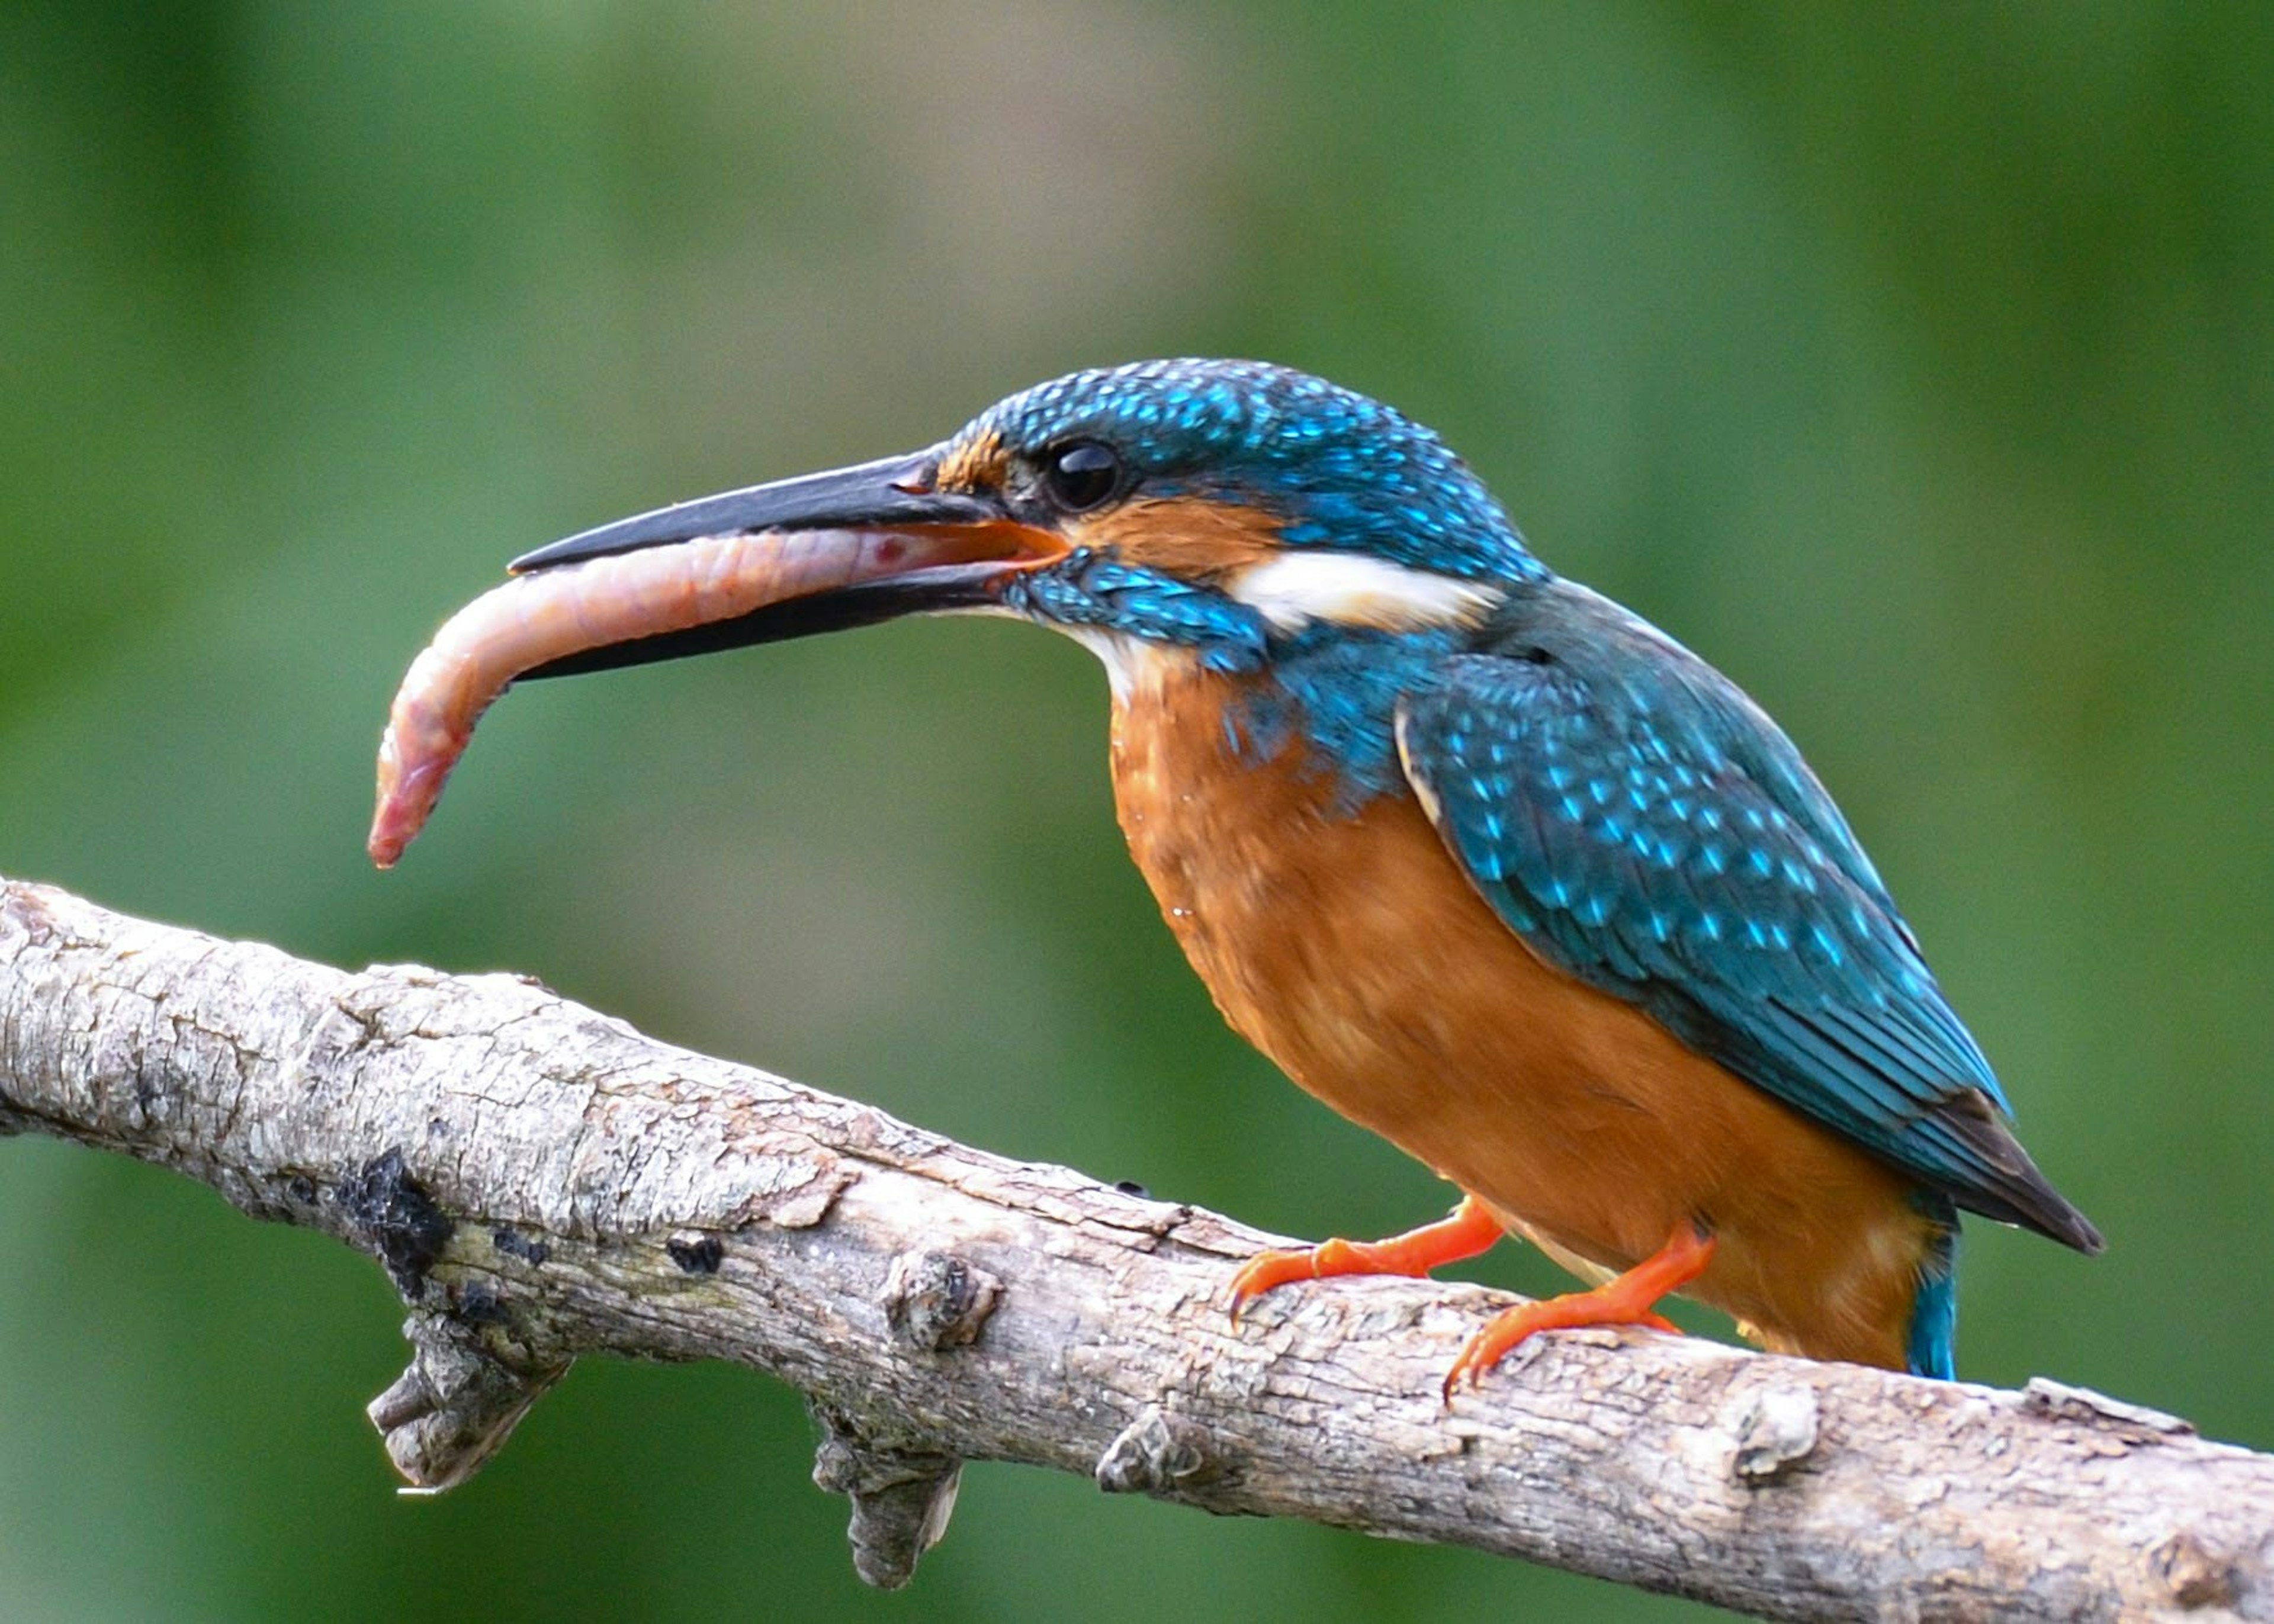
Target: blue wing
point(1646, 828)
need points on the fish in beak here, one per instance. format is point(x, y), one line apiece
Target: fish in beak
point(820, 552)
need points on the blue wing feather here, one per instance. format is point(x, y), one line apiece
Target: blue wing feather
point(1648, 830)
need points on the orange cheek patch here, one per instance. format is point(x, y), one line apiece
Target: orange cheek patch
point(1183, 536)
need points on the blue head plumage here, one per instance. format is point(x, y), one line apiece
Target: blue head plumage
point(1339, 470)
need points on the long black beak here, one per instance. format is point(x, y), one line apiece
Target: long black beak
point(959, 547)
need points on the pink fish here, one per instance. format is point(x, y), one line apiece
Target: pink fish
point(561, 610)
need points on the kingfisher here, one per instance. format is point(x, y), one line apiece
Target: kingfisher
point(1489, 863)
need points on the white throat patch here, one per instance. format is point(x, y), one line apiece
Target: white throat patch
point(1131, 664)
point(1296, 588)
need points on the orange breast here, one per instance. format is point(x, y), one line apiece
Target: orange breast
point(1354, 952)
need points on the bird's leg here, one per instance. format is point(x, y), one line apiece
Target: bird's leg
point(1628, 1299)
point(1466, 1231)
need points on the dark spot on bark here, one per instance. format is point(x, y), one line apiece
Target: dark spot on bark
point(697, 1254)
point(303, 1189)
point(514, 1244)
point(479, 1304)
point(438, 1127)
point(1130, 1186)
point(396, 1219)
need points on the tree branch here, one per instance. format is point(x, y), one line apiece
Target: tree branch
point(543, 1181)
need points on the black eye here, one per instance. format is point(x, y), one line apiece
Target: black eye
point(1082, 476)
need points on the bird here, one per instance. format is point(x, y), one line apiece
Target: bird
point(1484, 861)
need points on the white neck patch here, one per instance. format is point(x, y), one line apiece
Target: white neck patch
point(1131, 664)
point(1295, 588)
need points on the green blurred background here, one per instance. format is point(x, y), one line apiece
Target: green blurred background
point(1917, 371)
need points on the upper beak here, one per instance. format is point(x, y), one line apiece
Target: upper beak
point(886, 494)
point(960, 547)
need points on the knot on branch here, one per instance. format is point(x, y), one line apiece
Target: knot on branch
point(1776, 1430)
point(901, 1498)
point(454, 1405)
point(24, 912)
point(935, 1300)
point(1156, 1454)
point(2195, 1575)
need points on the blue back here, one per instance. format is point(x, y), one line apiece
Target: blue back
point(1648, 830)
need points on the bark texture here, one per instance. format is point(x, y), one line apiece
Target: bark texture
point(543, 1181)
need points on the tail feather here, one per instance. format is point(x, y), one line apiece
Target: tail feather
point(1932, 1345)
point(1999, 1180)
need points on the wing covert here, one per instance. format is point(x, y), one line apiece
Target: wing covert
point(1662, 841)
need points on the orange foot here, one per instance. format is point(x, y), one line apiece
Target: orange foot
point(1626, 1300)
point(1468, 1232)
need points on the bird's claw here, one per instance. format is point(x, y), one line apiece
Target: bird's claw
point(1499, 1336)
point(1630, 1298)
point(1467, 1230)
point(1266, 1271)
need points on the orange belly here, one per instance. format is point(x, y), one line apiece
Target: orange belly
point(1354, 952)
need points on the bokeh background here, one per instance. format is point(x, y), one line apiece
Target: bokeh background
point(1916, 365)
